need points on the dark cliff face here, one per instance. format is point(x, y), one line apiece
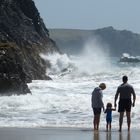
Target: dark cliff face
point(20, 21)
point(21, 25)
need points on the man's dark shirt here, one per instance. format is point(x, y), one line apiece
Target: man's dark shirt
point(125, 91)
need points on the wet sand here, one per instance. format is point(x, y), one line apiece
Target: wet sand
point(65, 134)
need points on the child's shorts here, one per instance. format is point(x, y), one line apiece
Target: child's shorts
point(108, 120)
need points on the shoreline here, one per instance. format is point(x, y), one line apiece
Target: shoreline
point(65, 133)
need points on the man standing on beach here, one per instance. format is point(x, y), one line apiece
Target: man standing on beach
point(125, 91)
point(97, 104)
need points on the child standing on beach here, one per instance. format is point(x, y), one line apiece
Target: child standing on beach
point(108, 112)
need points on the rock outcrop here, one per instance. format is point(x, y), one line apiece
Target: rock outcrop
point(126, 58)
point(23, 36)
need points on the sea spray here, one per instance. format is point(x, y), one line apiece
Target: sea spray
point(58, 62)
point(93, 58)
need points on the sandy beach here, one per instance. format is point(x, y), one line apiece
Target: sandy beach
point(65, 134)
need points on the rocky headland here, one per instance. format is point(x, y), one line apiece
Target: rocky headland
point(23, 36)
point(116, 42)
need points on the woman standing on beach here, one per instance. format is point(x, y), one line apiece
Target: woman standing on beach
point(97, 104)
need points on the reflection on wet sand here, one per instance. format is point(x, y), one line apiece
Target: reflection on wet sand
point(108, 135)
point(96, 136)
point(111, 136)
point(122, 137)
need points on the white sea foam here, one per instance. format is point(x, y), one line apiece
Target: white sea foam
point(58, 62)
point(93, 59)
point(66, 100)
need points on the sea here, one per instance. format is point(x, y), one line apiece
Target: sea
point(65, 101)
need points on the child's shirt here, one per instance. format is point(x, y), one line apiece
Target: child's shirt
point(108, 113)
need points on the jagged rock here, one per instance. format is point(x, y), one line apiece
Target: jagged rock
point(13, 79)
point(129, 59)
point(23, 36)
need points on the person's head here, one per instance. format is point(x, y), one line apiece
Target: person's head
point(124, 79)
point(109, 105)
point(102, 86)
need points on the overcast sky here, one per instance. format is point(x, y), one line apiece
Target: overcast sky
point(90, 14)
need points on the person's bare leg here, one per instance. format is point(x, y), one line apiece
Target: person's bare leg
point(121, 121)
point(95, 122)
point(110, 126)
point(128, 114)
point(107, 127)
point(98, 121)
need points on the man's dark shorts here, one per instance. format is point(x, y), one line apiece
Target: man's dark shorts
point(125, 105)
point(97, 111)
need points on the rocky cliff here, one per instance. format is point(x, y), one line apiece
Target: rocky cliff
point(23, 36)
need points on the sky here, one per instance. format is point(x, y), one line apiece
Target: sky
point(90, 14)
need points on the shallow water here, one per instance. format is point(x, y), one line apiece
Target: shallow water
point(66, 101)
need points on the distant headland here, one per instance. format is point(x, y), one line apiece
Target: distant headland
point(117, 42)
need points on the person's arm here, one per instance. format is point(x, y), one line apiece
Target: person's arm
point(114, 109)
point(134, 97)
point(105, 111)
point(101, 99)
point(116, 97)
point(92, 98)
point(103, 108)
